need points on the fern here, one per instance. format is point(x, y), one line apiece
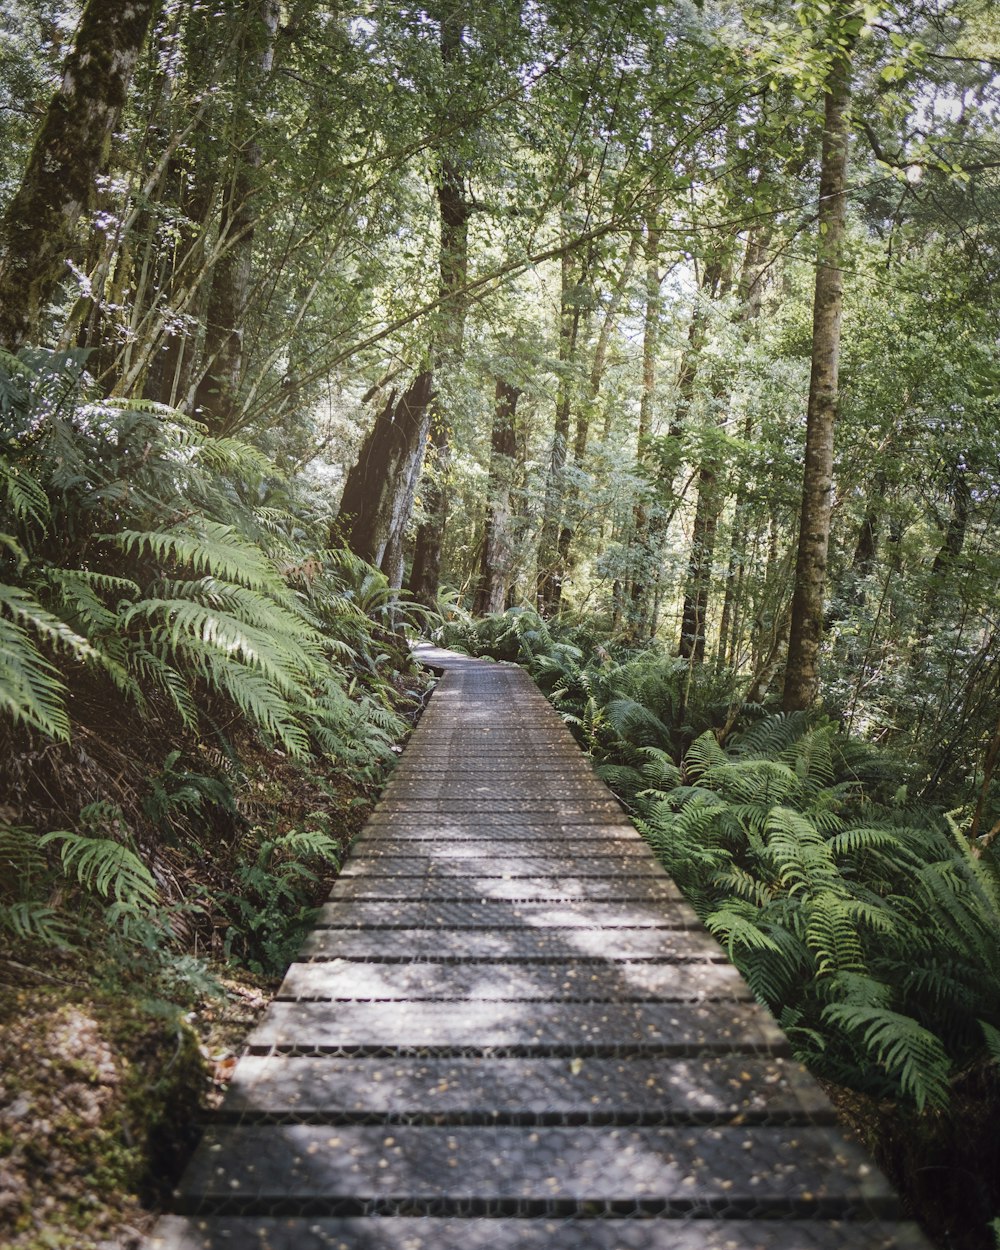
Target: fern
point(992, 1038)
point(35, 922)
point(107, 867)
point(31, 690)
point(209, 547)
point(907, 1051)
point(704, 754)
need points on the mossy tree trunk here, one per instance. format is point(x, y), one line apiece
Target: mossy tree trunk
point(806, 627)
point(216, 399)
point(39, 230)
point(378, 493)
point(454, 211)
point(549, 577)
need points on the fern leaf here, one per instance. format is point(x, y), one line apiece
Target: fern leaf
point(659, 769)
point(35, 922)
point(991, 1035)
point(208, 548)
point(24, 496)
point(908, 1052)
point(105, 866)
point(703, 754)
point(31, 690)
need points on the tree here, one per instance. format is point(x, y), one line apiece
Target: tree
point(806, 627)
point(495, 564)
point(39, 229)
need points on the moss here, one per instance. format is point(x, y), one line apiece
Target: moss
point(97, 1101)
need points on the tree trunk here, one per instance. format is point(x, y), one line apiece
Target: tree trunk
point(217, 393)
point(646, 592)
point(495, 568)
point(581, 440)
point(38, 231)
point(695, 608)
point(453, 213)
point(549, 581)
point(711, 499)
point(806, 628)
point(635, 601)
point(375, 506)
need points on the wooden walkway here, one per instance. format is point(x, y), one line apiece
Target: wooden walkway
point(508, 1030)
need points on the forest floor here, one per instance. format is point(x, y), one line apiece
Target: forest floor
point(100, 1093)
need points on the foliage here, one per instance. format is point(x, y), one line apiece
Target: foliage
point(147, 589)
point(272, 905)
point(864, 925)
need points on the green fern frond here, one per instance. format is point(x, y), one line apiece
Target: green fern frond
point(831, 934)
point(198, 632)
point(733, 879)
point(105, 866)
point(703, 754)
point(739, 932)
point(635, 723)
point(799, 851)
point(78, 597)
point(308, 843)
point(624, 781)
point(35, 922)
point(753, 781)
point(991, 1035)
point(770, 737)
point(31, 690)
point(257, 699)
point(659, 770)
point(22, 494)
point(908, 1052)
point(239, 460)
point(27, 611)
point(251, 606)
point(163, 676)
point(208, 547)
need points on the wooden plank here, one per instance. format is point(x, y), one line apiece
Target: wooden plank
point(480, 1025)
point(400, 1233)
point(547, 982)
point(533, 1090)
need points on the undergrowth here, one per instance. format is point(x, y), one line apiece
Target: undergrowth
point(198, 702)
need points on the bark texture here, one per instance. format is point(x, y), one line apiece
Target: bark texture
point(454, 211)
point(496, 565)
point(378, 493)
point(216, 396)
point(806, 627)
point(549, 580)
point(39, 230)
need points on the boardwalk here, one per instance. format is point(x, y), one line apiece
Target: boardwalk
point(508, 1030)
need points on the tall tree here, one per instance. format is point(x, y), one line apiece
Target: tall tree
point(216, 395)
point(454, 211)
point(39, 230)
point(495, 564)
point(549, 577)
point(377, 499)
point(806, 627)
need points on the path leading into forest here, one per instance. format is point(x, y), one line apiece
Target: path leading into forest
point(508, 1030)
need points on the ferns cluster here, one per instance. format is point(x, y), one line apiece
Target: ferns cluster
point(154, 577)
point(868, 928)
